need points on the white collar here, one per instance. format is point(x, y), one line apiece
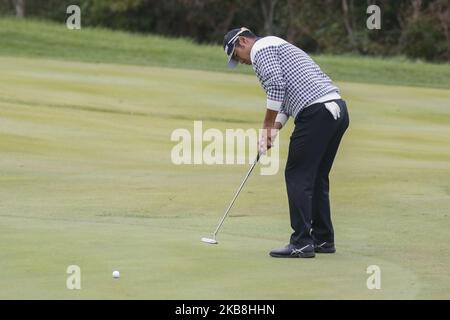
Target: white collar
point(264, 43)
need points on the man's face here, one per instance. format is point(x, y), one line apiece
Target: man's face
point(242, 50)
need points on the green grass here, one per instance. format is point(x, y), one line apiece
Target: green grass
point(86, 179)
point(30, 38)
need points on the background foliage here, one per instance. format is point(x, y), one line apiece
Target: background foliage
point(415, 28)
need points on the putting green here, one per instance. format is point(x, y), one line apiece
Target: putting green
point(86, 179)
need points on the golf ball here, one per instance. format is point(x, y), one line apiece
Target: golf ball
point(116, 274)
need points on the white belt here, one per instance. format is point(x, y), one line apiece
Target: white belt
point(327, 97)
point(282, 117)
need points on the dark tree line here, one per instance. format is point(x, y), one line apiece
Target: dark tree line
point(415, 28)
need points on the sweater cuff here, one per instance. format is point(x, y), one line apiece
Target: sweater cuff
point(274, 105)
point(282, 118)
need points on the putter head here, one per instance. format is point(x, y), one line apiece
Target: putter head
point(209, 240)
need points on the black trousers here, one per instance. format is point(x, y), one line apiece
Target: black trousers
point(313, 146)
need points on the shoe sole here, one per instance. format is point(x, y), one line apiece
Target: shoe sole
point(299, 255)
point(324, 250)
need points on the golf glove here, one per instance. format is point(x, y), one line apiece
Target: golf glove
point(334, 109)
point(263, 147)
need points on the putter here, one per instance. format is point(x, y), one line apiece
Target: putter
point(213, 239)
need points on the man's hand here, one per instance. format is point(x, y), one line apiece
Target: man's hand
point(268, 136)
point(269, 132)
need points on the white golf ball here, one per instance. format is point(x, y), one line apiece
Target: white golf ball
point(116, 274)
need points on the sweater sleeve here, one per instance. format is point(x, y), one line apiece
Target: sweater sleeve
point(271, 77)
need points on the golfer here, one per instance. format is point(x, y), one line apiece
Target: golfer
point(296, 87)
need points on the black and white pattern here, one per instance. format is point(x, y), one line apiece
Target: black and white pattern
point(291, 79)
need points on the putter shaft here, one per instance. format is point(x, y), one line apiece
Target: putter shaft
point(235, 196)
